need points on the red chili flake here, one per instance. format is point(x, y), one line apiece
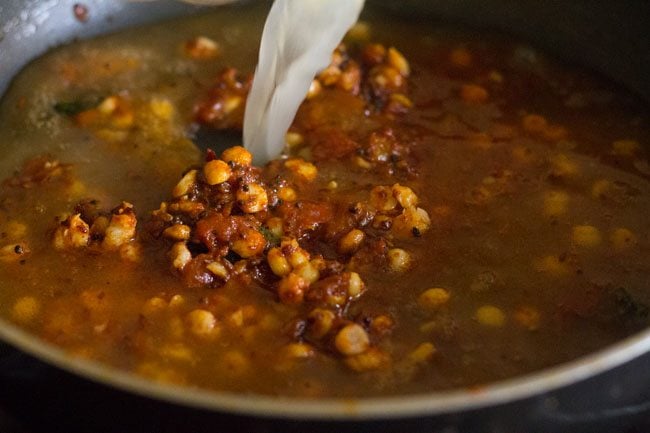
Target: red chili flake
point(80, 12)
point(210, 155)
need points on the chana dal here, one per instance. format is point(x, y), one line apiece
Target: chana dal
point(451, 209)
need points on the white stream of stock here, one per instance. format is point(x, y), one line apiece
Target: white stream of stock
point(297, 42)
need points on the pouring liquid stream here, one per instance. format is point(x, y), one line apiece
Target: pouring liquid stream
point(297, 42)
point(298, 39)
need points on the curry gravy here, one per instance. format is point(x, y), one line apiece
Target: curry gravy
point(454, 208)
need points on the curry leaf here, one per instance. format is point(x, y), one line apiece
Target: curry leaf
point(629, 307)
point(74, 107)
point(270, 237)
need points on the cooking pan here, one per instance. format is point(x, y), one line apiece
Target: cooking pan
point(605, 391)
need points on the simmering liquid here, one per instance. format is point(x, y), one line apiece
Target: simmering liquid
point(452, 209)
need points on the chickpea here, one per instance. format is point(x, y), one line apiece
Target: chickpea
point(180, 255)
point(534, 123)
point(600, 188)
point(177, 232)
point(625, 147)
point(252, 198)
point(355, 285)
point(556, 203)
point(386, 78)
point(318, 263)
point(74, 233)
point(235, 319)
point(586, 236)
point(202, 323)
point(269, 322)
point(490, 315)
point(362, 163)
point(15, 230)
point(371, 359)
point(351, 241)
point(160, 374)
point(294, 139)
point(178, 352)
point(528, 317)
point(320, 322)
point(278, 263)
point(399, 102)
point(460, 57)
point(201, 48)
point(183, 186)
point(315, 88)
point(352, 339)
point(292, 251)
point(249, 312)
point(176, 301)
point(121, 228)
point(153, 306)
point(523, 154)
point(307, 272)
point(473, 93)
point(359, 31)
point(622, 239)
point(131, 252)
point(552, 265)
point(291, 289)
point(237, 155)
point(554, 133)
point(411, 222)
point(434, 298)
point(25, 309)
point(330, 75)
point(218, 270)
point(382, 324)
point(216, 172)
point(306, 170)
point(382, 222)
point(236, 363)
point(481, 140)
point(122, 117)
point(287, 194)
point(496, 76)
point(422, 353)
point(373, 54)
point(161, 108)
point(350, 78)
point(108, 105)
point(231, 103)
point(397, 61)
point(251, 243)
point(382, 198)
point(398, 260)
point(405, 196)
point(563, 166)
point(299, 350)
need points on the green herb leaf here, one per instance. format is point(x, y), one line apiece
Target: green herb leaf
point(270, 237)
point(629, 307)
point(72, 108)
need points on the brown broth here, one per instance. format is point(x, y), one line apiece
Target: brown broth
point(483, 181)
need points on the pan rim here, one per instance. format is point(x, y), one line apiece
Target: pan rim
point(521, 387)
